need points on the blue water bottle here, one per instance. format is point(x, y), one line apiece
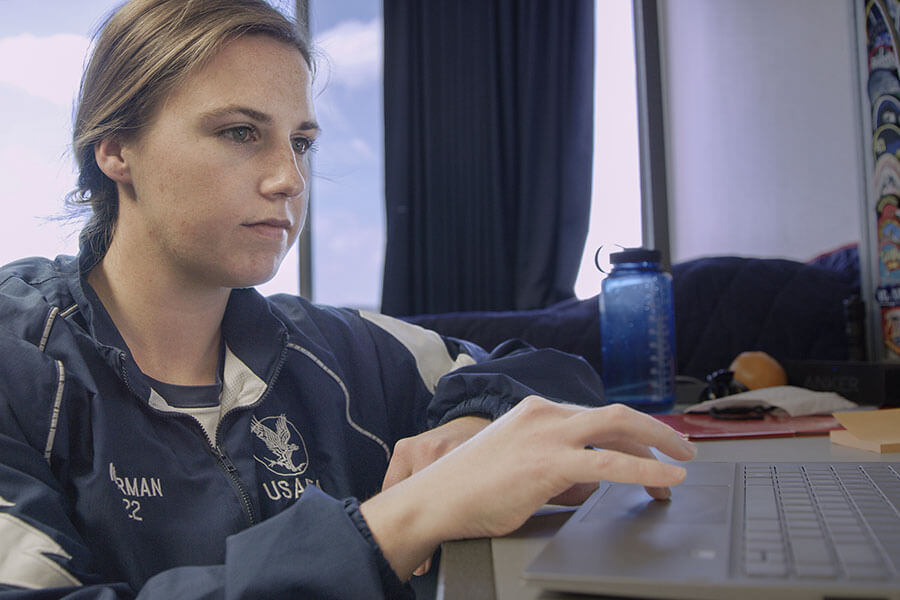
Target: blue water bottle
point(637, 324)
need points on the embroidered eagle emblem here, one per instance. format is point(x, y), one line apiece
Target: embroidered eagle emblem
point(278, 441)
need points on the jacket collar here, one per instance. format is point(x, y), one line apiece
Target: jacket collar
point(251, 330)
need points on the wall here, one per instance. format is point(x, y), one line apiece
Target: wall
point(762, 126)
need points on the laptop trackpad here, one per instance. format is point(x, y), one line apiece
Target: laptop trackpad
point(689, 504)
point(629, 536)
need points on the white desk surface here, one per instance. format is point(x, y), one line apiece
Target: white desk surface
point(490, 569)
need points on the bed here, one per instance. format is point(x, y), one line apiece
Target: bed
point(723, 305)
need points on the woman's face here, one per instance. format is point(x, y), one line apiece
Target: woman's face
point(218, 181)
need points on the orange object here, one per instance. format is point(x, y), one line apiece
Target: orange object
point(756, 369)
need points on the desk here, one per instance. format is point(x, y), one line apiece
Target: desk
point(489, 569)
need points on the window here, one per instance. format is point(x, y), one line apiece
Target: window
point(616, 194)
point(347, 212)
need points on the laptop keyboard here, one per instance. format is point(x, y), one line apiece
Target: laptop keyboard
point(825, 521)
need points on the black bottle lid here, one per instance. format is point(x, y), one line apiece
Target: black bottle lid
point(635, 255)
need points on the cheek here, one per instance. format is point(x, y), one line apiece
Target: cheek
point(196, 192)
point(170, 182)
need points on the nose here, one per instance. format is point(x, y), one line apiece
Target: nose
point(285, 174)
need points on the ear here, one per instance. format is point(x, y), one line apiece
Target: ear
point(110, 157)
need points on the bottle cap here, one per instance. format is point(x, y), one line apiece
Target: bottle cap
point(635, 255)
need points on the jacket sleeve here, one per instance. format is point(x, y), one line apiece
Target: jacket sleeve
point(460, 378)
point(511, 372)
point(319, 547)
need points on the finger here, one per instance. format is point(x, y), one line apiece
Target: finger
point(611, 465)
point(423, 568)
point(601, 426)
point(575, 495)
point(538, 407)
point(659, 493)
point(399, 468)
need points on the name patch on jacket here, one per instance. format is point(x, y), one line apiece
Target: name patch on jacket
point(133, 488)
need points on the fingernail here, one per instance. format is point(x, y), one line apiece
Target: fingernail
point(661, 493)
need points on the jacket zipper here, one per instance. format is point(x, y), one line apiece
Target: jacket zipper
point(238, 485)
point(221, 458)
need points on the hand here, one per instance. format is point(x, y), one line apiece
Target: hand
point(489, 485)
point(541, 449)
point(411, 455)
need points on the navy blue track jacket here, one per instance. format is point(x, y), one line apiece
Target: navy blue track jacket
point(107, 491)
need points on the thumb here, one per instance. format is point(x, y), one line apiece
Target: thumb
point(398, 469)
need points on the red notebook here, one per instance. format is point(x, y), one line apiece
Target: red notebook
point(706, 427)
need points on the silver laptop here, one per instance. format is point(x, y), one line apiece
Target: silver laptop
point(736, 530)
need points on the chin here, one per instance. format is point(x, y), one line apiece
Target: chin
point(251, 273)
point(246, 278)
point(246, 282)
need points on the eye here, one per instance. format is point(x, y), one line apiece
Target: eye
point(240, 134)
point(302, 145)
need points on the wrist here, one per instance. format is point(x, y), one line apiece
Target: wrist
point(391, 583)
point(405, 521)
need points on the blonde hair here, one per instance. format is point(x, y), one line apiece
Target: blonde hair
point(145, 49)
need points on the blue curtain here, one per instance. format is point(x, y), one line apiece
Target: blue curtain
point(488, 152)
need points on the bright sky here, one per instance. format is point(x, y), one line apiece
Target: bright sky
point(36, 96)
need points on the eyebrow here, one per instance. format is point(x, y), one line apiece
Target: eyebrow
point(253, 114)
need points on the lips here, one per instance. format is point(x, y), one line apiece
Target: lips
point(271, 228)
point(283, 223)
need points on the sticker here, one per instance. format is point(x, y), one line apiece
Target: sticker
point(889, 300)
point(887, 175)
point(893, 9)
point(886, 111)
point(878, 29)
point(889, 238)
point(881, 83)
point(886, 140)
point(882, 57)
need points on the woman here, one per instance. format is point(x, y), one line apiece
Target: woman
point(165, 431)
